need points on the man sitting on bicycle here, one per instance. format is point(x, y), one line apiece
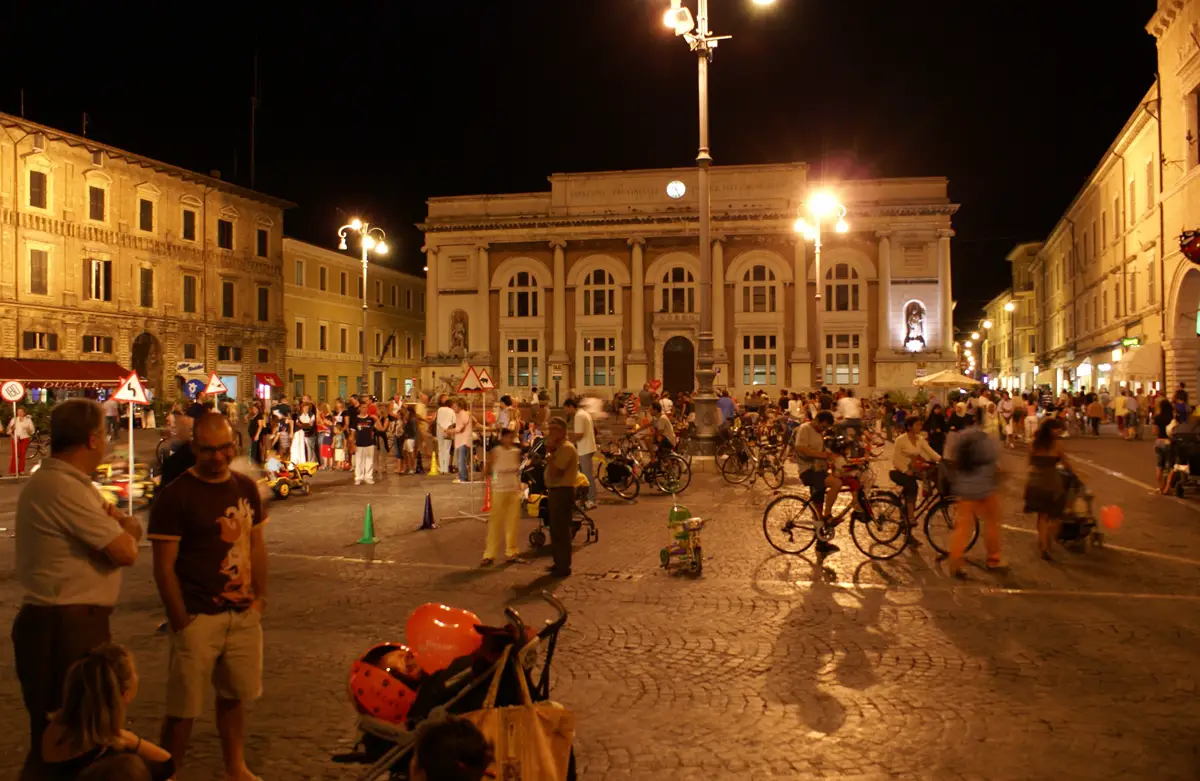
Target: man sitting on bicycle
point(662, 431)
point(910, 454)
point(813, 460)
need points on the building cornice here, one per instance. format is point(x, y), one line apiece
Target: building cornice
point(1164, 17)
point(547, 222)
point(54, 134)
point(294, 248)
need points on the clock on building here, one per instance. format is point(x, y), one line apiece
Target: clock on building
point(676, 189)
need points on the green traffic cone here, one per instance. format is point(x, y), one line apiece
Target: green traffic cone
point(368, 537)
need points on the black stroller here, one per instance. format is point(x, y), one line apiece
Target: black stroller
point(461, 688)
point(1078, 526)
point(537, 504)
point(1185, 457)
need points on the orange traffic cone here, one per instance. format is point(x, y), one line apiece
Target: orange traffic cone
point(487, 496)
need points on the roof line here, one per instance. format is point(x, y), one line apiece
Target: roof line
point(8, 120)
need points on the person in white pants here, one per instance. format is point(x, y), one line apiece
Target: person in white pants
point(443, 421)
point(364, 446)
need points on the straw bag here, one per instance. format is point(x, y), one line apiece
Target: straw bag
point(531, 741)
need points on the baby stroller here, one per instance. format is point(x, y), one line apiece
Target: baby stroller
point(462, 688)
point(537, 504)
point(1078, 526)
point(1185, 457)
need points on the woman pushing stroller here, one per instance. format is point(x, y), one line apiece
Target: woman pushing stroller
point(1051, 482)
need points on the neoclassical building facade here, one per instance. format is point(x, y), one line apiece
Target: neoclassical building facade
point(596, 283)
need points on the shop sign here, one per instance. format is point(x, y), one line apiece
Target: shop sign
point(1130, 341)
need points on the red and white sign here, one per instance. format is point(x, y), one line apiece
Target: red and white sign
point(215, 386)
point(470, 382)
point(131, 391)
point(485, 381)
point(12, 391)
point(656, 385)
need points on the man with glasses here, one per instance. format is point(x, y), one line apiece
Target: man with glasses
point(210, 565)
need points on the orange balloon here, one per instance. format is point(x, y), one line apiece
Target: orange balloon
point(491, 418)
point(440, 634)
point(1112, 516)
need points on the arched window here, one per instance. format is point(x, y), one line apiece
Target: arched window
point(678, 291)
point(759, 290)
point(599, 293)
point(842, 289)
point(522, 295)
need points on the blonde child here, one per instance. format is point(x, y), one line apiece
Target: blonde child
point(339, 447)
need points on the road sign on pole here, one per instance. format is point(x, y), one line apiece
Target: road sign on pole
point(470, 382)
point(485, 381)
point(131, 391)
point(12, 391)
point(215, 386)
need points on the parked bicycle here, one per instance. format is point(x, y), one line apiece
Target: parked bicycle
point(749, 463)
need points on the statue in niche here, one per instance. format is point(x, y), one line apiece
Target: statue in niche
point(458, 333)
point(914, 326)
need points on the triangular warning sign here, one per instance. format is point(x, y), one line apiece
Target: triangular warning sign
point(485, 381)
point(470, 382)
point(215, 386)
point(131, 391)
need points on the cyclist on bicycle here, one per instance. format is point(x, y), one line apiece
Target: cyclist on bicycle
point(813, 459)
point(910, 454)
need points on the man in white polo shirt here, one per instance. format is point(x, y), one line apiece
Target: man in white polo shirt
point(71, 545)
point(584, 437)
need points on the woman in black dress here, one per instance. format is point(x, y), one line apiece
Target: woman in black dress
point(1045, 489)
point(935, 428)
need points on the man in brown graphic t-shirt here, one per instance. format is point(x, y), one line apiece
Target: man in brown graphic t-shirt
point(210, 564)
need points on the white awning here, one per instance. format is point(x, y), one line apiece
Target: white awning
point(1139, 363)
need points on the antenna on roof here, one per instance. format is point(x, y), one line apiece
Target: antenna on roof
point(85, 124)
point(22, 103)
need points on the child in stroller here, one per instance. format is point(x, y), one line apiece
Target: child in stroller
point(533, 478)
point(460, 688)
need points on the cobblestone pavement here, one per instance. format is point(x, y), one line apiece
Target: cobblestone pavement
point(768, 666)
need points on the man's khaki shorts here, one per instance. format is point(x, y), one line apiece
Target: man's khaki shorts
point(226, 648)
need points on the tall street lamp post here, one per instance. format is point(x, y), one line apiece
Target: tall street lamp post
point(371, 239)
point(702, 42)
point(821, 206)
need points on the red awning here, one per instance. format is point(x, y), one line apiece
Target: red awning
point(266, 378)
point(62, 374)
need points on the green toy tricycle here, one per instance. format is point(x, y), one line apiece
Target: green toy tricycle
point(683, 545)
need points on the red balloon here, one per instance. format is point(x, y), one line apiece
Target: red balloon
point(384, 682)
point(1112, 516)
point(491, 418)
point(440, 634)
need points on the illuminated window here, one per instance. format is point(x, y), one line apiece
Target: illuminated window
point(842, 366)
point(523, 363)
point(759, 360)
point(600, 361)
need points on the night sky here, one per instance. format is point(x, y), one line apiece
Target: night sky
point(375, 107)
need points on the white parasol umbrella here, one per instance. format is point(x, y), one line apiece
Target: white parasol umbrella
point(946, 378)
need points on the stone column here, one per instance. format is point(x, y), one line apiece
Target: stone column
point(720, 356)
point(433, 344)
point(884, 340)
point(636, 362)
point(943, 252)
point(558, 342)
point(479, 327)
point(801, 356)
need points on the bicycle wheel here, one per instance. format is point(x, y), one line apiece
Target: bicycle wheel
point(790, 524)
point(673, 476)
point(880, 535)
point(737, 468)
point(772, 471)
point(726, 450)
point(939, 523)
point(628, 488)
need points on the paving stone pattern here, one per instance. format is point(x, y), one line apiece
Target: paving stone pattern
point(768, 666)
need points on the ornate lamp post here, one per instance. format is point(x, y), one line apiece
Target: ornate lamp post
point(821, 207)
point(702, 43)
point(371, 239)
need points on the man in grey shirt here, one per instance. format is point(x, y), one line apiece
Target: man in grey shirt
point(71, 546)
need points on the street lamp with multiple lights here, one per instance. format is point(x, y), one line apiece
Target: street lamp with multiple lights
point(702, 43)
point(822, 207)
point(371, 239)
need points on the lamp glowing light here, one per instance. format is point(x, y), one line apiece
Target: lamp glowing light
point(425, 268)
point(764, 2)
point(842, 226)
point(967, 344)
point(987, 324)
point(1010, 306)
point(679, 19)
point(356, 224)
point(974, 334)
point(822, 204)
point(368, 242)
point(381, 248)
point(342, 243)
